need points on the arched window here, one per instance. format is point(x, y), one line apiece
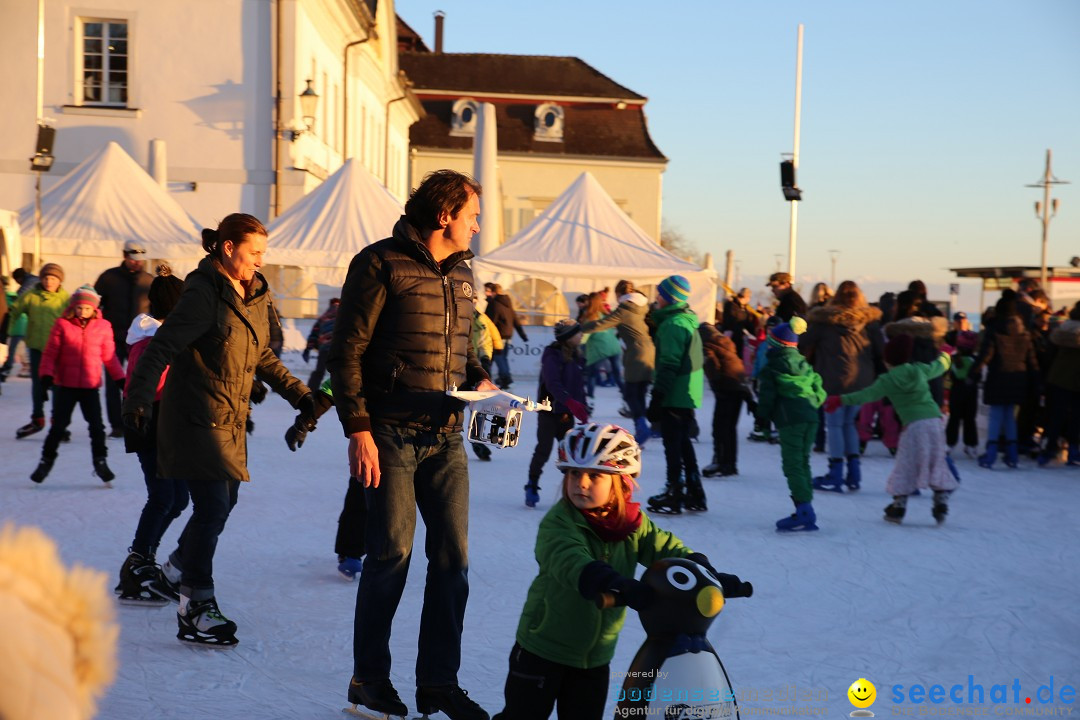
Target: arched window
point(463, 120)
point(548, 123)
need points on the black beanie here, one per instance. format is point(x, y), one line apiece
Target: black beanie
point(164, 292)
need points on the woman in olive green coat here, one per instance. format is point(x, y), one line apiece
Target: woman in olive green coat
point(215, 342)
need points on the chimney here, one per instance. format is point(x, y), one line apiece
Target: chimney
point(439, 16)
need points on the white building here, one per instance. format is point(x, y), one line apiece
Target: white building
point(203, 75)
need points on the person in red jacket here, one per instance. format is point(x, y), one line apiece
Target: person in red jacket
point(81, 341)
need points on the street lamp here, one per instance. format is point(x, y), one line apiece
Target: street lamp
point(833, 254)
point(1046, 210)
point(309, 102)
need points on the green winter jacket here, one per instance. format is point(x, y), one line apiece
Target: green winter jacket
point(905, 386)
point(789, 391)
point(680, 375)
point(41, 308)
point(601, 344)
point(560, 625)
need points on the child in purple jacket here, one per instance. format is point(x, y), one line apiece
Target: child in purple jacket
point(562, 379)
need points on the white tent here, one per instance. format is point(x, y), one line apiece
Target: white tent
point(312, 243)
point(11, 252)
point(584, 242)
point(105, 201)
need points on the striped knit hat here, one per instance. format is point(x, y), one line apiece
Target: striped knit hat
point(787, 334)
point(85, 295)
point(674, 289)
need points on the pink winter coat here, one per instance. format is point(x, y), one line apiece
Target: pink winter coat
point(74, 354)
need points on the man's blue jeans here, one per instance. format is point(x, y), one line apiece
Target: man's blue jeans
point(428, 471)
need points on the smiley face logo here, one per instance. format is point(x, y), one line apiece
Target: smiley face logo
point(862, 694)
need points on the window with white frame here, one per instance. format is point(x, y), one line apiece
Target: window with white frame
point(104, 72)
point(548, 123)
point(463, 119)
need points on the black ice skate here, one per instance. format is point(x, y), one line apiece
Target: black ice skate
point(101, 469)
point(894, 512)
point(201, 623)
point(449, 699)
point(695, 494)
point(136, 576)
point(43, 469)
point(941, 506)
point(378, 696)
point(669, 502)
point(167, 583)
point(35, 425)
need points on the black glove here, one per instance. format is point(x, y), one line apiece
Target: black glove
point(306, 354)
point(137, 420)
point(732, 586)
point(602, 584)
point(655, 410)
point(46, 382)
point(524, 337)
point(258, 392)
point(295, 435)
point(306, 419)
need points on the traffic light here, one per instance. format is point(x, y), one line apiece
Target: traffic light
point(787, 181)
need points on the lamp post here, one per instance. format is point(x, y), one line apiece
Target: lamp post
point(1046, 210)
point(309, 103)
point(833, 254)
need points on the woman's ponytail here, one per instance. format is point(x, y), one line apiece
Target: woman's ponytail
point(211, 242)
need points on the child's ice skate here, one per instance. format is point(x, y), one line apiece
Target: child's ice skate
point(532, 494)
point(43, 469)
point(832, 481)
point(804, 519)
point(377, 700)
point(894, 512)
point(349, 567)
point(668, 502)
point(941, 506)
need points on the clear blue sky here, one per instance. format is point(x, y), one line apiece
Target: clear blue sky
point(921, 121)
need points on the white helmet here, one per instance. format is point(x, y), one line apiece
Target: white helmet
point(605, 448)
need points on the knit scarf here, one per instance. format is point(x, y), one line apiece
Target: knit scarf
point(609, 525)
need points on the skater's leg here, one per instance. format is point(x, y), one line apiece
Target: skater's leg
point(546, 427)
point(212, 501)
point(37, 390)
point(113, 397)
point(352, 522)
point(865, 425)
point(688, 457)
point(796, 442)
point(890, 427)
point(850, 433)
point(391, 524)
point(442, 494)
point(320, 370)
point(163, 505)
point(672, 433)
point(584, 693)
point(90, 404)
point(729, 407)
point(64, 401)
point(532, 685)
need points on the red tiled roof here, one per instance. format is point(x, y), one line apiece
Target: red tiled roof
point(536, 76)
point(598, 130)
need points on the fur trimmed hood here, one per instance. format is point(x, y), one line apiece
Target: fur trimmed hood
point(59, 650)
point(1067, 334)
point(919, 327)
point(855, 318)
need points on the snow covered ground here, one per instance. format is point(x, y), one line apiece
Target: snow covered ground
point(991, 594)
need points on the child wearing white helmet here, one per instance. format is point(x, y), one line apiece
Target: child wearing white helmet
point(589, 546)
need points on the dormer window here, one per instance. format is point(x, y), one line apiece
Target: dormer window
point(463, 120)
point(548, 123)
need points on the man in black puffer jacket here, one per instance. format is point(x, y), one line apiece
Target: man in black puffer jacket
point(401, 339)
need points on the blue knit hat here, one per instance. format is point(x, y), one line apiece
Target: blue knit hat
point(674, 289)
point(787, 334)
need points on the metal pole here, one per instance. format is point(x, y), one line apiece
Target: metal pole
point(40, 109)
point(37, 223)
point(795, 153)
point(832, 276)
point(1045, 220)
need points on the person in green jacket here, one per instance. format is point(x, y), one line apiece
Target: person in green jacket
point(921, 459)
point(588, 548)
point(42, 306)
point(678, 386)
point(789, 395)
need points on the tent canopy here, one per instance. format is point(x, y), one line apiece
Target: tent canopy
point(328, 226)
point(105, 201)
point(583, 242)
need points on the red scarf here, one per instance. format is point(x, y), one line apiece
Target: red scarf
point(609, 525)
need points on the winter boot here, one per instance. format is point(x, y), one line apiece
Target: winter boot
point(804, 519)
point(532, 494)
point(449, 699)
point(941, 505)
point(642, 431)
point(138, 573)
point(36, 425)
point(43, 468)
point(201, 623)
point(378, 695)
point(349, 567)
point(695, 494)
point(834, 480)
point(894, 512)
point(101, 469)
point(854, 473)
point(986, 460)
point(1012, 454)
point(670, 501)
point(712, 469)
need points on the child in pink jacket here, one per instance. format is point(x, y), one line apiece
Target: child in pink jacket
point(81, 341)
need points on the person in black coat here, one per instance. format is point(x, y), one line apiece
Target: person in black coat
point(790, 302)
point(124, 290)
point(500, 308)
